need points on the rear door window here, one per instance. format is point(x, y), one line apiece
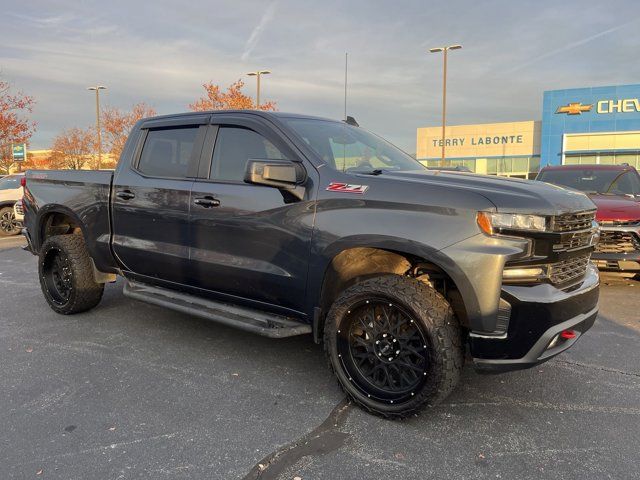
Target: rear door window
point(167, 152)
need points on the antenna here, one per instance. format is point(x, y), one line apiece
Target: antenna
point(346, 65)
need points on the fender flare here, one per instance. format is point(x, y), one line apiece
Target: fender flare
point(46, 211)
point(404, 246)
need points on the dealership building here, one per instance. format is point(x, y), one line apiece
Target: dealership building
point(579, 125)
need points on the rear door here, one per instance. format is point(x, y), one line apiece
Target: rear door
point(249, 242)
point(151, 199)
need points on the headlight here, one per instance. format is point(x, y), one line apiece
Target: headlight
point(511, 274)
point(493, 223)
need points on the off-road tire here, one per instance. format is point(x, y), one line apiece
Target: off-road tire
point(84, 292)
point(8, 212)
point(439, 328)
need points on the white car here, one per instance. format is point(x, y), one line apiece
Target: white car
point(10, 193)
point(18, 212)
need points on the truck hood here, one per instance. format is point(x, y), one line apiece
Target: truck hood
point(616, 207)
point(507, 194)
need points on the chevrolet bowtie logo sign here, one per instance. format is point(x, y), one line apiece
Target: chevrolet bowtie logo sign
point(574, 108)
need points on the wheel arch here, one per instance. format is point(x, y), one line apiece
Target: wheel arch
point(353, 260)
point(57, 220)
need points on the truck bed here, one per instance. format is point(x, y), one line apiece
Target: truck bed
point(82, 194)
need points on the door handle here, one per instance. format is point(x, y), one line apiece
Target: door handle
point(125, 194)
point(207, 202)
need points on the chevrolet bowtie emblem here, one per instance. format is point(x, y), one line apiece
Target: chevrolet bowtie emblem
point(574, 108)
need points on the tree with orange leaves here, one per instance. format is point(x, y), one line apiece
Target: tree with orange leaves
point(232, 99)
point(73, 149)
point(14, 127)
point(117, 125)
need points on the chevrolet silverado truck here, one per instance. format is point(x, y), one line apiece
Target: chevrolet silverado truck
point(283, 224)
point(615, 190)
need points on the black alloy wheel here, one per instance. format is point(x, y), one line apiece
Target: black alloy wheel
point(384, 349)
point(394, 345)
point(66, 275)
point(58, 276)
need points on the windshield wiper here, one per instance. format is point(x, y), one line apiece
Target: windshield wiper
point(376, 171)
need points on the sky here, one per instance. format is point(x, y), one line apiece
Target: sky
point(161, 52)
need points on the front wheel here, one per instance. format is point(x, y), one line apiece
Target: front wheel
point(8, 224)
point(394, 345)
point(66, 275)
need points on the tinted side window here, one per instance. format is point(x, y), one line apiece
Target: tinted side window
point(166, 152)
point(235, 146)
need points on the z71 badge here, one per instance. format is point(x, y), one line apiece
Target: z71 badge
point(347, 188)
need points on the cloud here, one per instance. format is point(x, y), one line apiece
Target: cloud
point(162, 55)
point(44, 21)
point(572, 45)
point(257, 31)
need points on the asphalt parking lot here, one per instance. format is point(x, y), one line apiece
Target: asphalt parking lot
point(130, 390)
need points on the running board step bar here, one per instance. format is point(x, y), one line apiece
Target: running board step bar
point(250, 320)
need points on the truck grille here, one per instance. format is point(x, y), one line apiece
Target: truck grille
point(577, 232)
point(568, 270)
point(577, 240)
point(573, 221)
point(564, 250)
point(618, 242)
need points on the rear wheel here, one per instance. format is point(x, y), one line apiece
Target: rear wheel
point(66, 275)
point(8, 224)
point(394, 344)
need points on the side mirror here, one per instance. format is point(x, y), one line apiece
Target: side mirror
point(275, 173)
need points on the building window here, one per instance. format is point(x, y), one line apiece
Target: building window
point(520, 167)
point(614, 158)
point(534, 164)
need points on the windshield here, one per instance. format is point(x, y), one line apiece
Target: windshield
point(351, 149)
point(613, 182)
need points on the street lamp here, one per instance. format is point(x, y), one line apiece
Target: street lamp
point(444, 50)
point(257, 74)
point(97, 89)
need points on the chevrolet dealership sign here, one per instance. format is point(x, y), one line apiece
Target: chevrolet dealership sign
point(625, 105)
point(19, 152)
point(590, 122)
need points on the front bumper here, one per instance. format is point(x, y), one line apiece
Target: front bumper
point(538, 314)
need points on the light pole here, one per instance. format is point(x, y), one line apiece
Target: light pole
point(97, 89)
point(257, 74)
point(444, 50)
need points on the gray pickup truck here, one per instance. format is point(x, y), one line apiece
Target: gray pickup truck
point(283, 224)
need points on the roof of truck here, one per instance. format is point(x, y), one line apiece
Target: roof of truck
point(261, 113)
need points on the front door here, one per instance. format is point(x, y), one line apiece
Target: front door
point(151, 201)
point(249, 242)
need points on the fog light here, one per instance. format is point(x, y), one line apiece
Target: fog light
point(567, 334)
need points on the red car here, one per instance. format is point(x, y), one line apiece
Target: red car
point(615, 189)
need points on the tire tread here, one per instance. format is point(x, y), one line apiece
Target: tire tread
point(445, 329)
point(87, 292)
